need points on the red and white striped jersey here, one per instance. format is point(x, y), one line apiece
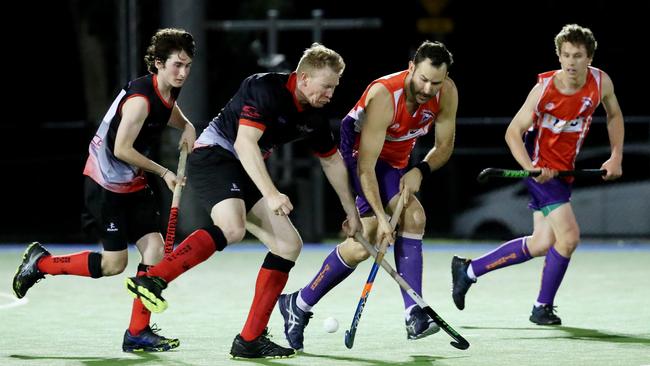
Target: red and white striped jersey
point(402, 134)
point(562, 121)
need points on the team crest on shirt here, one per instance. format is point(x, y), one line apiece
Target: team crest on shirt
point(394, 126)
point(427, 116)
point(549, 106)
point(586, 104)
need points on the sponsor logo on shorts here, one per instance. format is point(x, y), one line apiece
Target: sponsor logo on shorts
point(234, 188)
point(112, 227)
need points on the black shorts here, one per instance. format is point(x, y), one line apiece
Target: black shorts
point(119, 218)
point(214, 174)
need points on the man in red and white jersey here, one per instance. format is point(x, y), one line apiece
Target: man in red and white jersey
point(557, 115)
point(377, 137)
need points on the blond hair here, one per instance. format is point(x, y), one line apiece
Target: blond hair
point(318, 57)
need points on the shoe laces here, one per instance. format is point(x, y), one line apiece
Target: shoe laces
point(154, 328)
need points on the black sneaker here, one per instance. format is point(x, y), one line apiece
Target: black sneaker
point(260, 347)
point(149, 291)
point(28, 274)
point(419, 324)
point(295, 320)
point(148, 341)
point(460, 281)
point(545, 315)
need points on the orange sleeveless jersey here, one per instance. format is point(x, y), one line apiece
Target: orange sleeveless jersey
point(406, 128)
point(562, 121)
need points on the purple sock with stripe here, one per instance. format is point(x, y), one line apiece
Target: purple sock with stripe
point(408, 260)
point(332, 272)
point(555, 267)
point(512, 252)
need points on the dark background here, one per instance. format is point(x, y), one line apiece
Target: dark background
point(498, 47)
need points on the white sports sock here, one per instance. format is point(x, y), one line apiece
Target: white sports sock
point(407, 312)
point(302, 305)
point(470, 272)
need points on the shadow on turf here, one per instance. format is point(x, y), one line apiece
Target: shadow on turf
point(418, 360)
point(579, 333)
point(144, 358)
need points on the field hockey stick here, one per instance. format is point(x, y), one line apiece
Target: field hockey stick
point(349, 334)
point(176, 200)
point(458, 342)
point(512, 173)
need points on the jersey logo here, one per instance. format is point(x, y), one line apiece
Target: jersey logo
point(250, 112)
point(586, 104)
point(549, 106)
point(427, 116)
point(394, 126)
point(559, 125)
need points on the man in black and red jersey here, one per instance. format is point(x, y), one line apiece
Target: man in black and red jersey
point(228, 173)
point(120, 204)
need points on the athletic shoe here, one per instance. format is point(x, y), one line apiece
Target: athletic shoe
point(545, 315)
point(419, 324)
point(28, 273)
point(149, 291)
point(460, 280)
point(260, 347)
point(295, 320)
point(148, 341)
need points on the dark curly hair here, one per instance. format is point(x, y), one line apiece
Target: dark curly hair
point(164, 43)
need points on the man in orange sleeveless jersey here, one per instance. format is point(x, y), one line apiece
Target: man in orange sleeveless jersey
point(377, 137)
point(557, 115)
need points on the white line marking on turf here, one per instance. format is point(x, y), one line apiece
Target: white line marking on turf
point(13, 301)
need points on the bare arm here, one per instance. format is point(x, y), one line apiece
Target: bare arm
point(337, 175)
point(445, 130)
point(615, 129)
point(180, 122)
point(379, 116)
point(134, 112)
point(519, 125)
point(251, 159)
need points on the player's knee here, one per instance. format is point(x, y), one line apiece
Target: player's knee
point(113, 266)
point(233, 233)
point(357, 254)
point(289, 247)
point(415, 220)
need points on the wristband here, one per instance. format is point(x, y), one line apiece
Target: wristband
point(424, 168)
point(163, 174)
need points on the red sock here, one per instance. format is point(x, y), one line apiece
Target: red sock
point(195, 249)
point(70, 264)
point(270, 283)
point(140, 316)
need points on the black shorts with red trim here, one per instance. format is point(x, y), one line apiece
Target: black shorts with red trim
point(119, 218)
point(215, 174)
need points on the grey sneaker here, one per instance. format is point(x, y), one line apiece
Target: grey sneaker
point(295, 320)
point(545, 315)
point(419, 324)
point(460, 280)
point(28, 273)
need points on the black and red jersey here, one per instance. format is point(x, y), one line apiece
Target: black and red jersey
point(267, 101)
point(102, 165)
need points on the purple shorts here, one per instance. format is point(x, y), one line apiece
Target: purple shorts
point(387, 177)
point(555, 191)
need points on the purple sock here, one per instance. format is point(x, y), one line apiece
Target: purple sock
point(512, 252)
point(555, 267)
point(408, 259)
point(333, 271)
